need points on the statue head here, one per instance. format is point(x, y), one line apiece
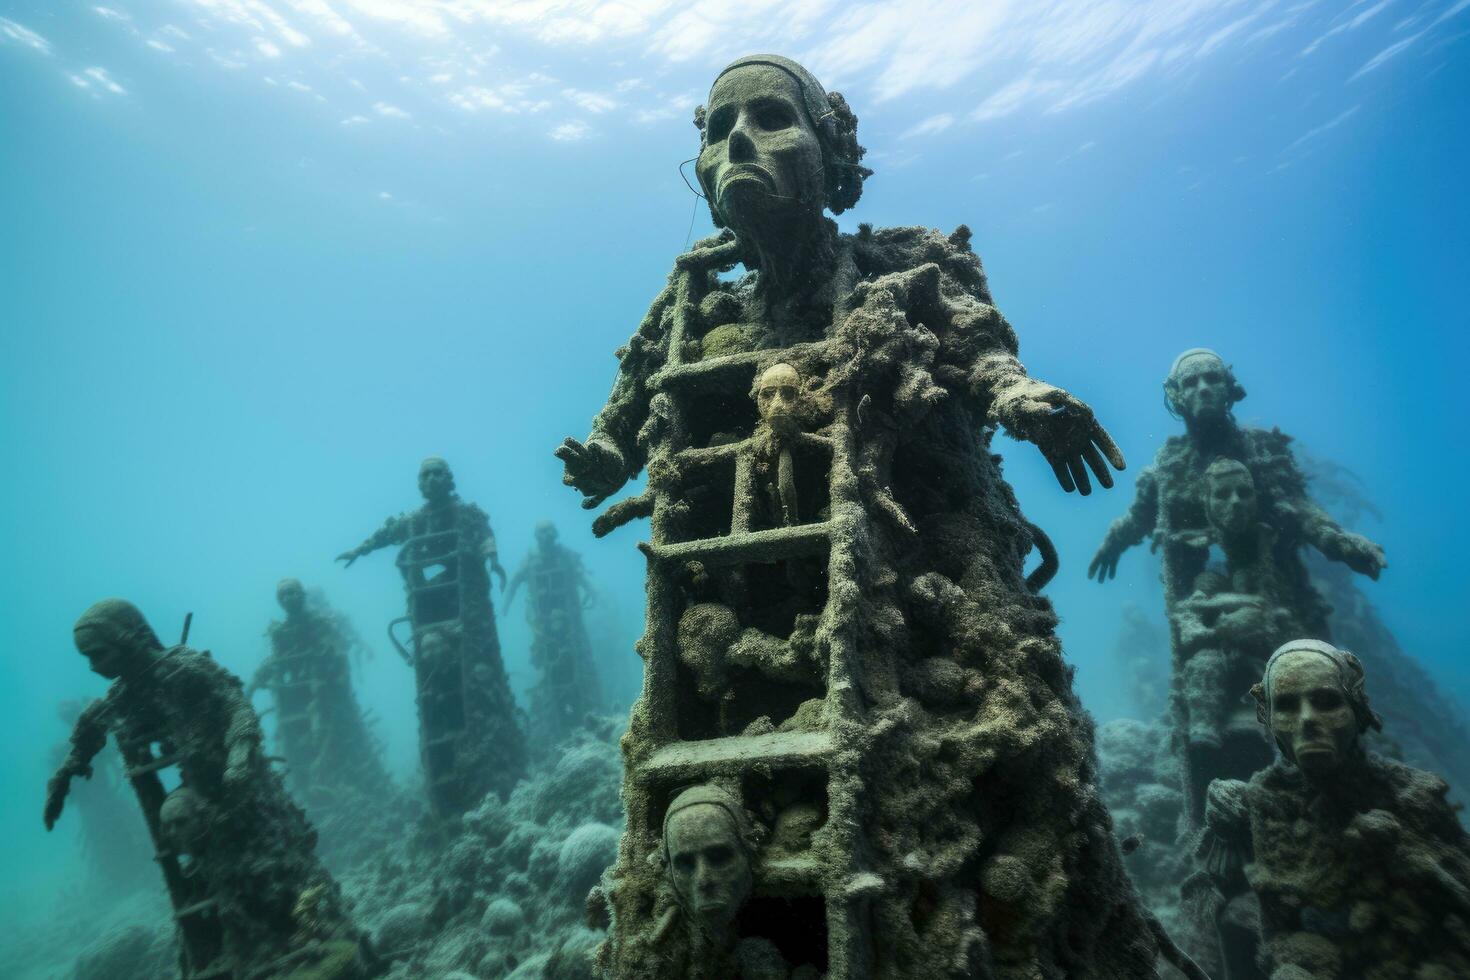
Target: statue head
point(546, 535)
point(291, 596)
point(436, 480)
point(1201, 386)
point(773, 141)
point(777, 394)
point(183, 820)
point(708, 850)
point(1315, 705)
point(1230, 497)
point(115, 638)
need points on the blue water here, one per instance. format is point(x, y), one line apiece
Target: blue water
point(258, 258)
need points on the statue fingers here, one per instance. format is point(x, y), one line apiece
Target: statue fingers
point(1079, 475)
point(1109, 448)
point(1099, 468)
point(1060, 469)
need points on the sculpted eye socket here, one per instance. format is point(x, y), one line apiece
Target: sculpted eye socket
point(719, 855)
point(684, 862)
point(1326, 700)
point(718, 126)
point(1285, 702)
point(774, 115)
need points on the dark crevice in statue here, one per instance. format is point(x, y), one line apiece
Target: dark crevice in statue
point(557, 590)
point(237, 855)
point(470, 741)
point(893, 777)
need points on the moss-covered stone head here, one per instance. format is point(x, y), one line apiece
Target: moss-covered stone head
point(115, 638)
point(1201, 386)
point(1314, 703)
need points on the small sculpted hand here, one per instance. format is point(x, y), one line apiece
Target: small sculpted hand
point(349, 556)
point(1071, 439)
point(499, 571)
point(1364, 556)
point(593, 467)
point(56, 791)
point(1105, 563)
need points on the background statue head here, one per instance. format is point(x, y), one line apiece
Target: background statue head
point(115, 638)
point(1230, 498)
point(1314, 703)
point(707, 847)
point(291, 595)
point(546, 535)
point(772, 139)
point(1201, 386)
point(436, 480)
point(777, 395)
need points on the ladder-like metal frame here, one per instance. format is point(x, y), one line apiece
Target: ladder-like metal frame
point(837, 749)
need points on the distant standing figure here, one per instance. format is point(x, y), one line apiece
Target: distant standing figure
point(469, 740)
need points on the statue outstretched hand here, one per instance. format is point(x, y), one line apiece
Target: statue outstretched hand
point(1068, 435)
point(1104, 564)
point(349, 556)
point(1363, 556)
point(56, 791)
point(593, 467)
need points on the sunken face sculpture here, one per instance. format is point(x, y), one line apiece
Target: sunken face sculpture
point(1200, 387)
point(776, 396)
point(1310, 715)
point(709, 866)
point(761, 155)
point(1230, 498)
point(436, 482)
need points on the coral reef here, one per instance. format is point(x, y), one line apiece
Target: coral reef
point(557, 590)
point(470, 740)
point(840, 635)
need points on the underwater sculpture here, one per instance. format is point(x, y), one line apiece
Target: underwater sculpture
point(249, 897)
point(319, 727)
point(839, 628)
point(557, 590)
point(469, 739)
point(1238, 488)
point(1359, 865)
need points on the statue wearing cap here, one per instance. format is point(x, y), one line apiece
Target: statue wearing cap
point(1358, 863)
point(825, 501)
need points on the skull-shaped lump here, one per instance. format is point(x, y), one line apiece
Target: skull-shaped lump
point(708, 856)
point(184, 821)
point(778, 396)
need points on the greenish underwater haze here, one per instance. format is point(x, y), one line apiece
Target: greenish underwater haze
point(259, 258)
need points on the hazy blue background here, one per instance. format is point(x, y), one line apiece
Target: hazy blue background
point(258, 258)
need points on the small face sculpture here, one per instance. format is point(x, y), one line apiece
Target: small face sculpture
point(1310, 716)
point(184, 820)
point(436, 482)
point(546, 534)
point(707, 862)
point(291, 596)
point(1200, 387)
point(761, 154)
point(776, 396)
point(1231, 500)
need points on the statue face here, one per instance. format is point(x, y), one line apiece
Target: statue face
point(546, 534)
point(761, 155)
point(184, 820)
point(1231, 502)
point(776, 397)
point(1311, 718)
point(291, 596)
point(436, 482)
point(106, 656)
point(708, 865)
point(1201, 388)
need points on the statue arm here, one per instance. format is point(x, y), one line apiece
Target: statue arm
point(87, 739)
point(1060, 424)
point(395, 530)
point(1136, 524)
point(1327, 536)
point(489, 548)
point(516, 581)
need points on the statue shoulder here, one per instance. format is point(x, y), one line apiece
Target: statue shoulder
point(1266, 442)
point(881, 251)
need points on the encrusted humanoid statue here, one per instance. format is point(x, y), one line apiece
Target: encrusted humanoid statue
point(1358, 864)
point(248, 894)
point(320, 732)
point(470, 742)
point(839, 628)
point(1262, 519)
point(557, 590)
